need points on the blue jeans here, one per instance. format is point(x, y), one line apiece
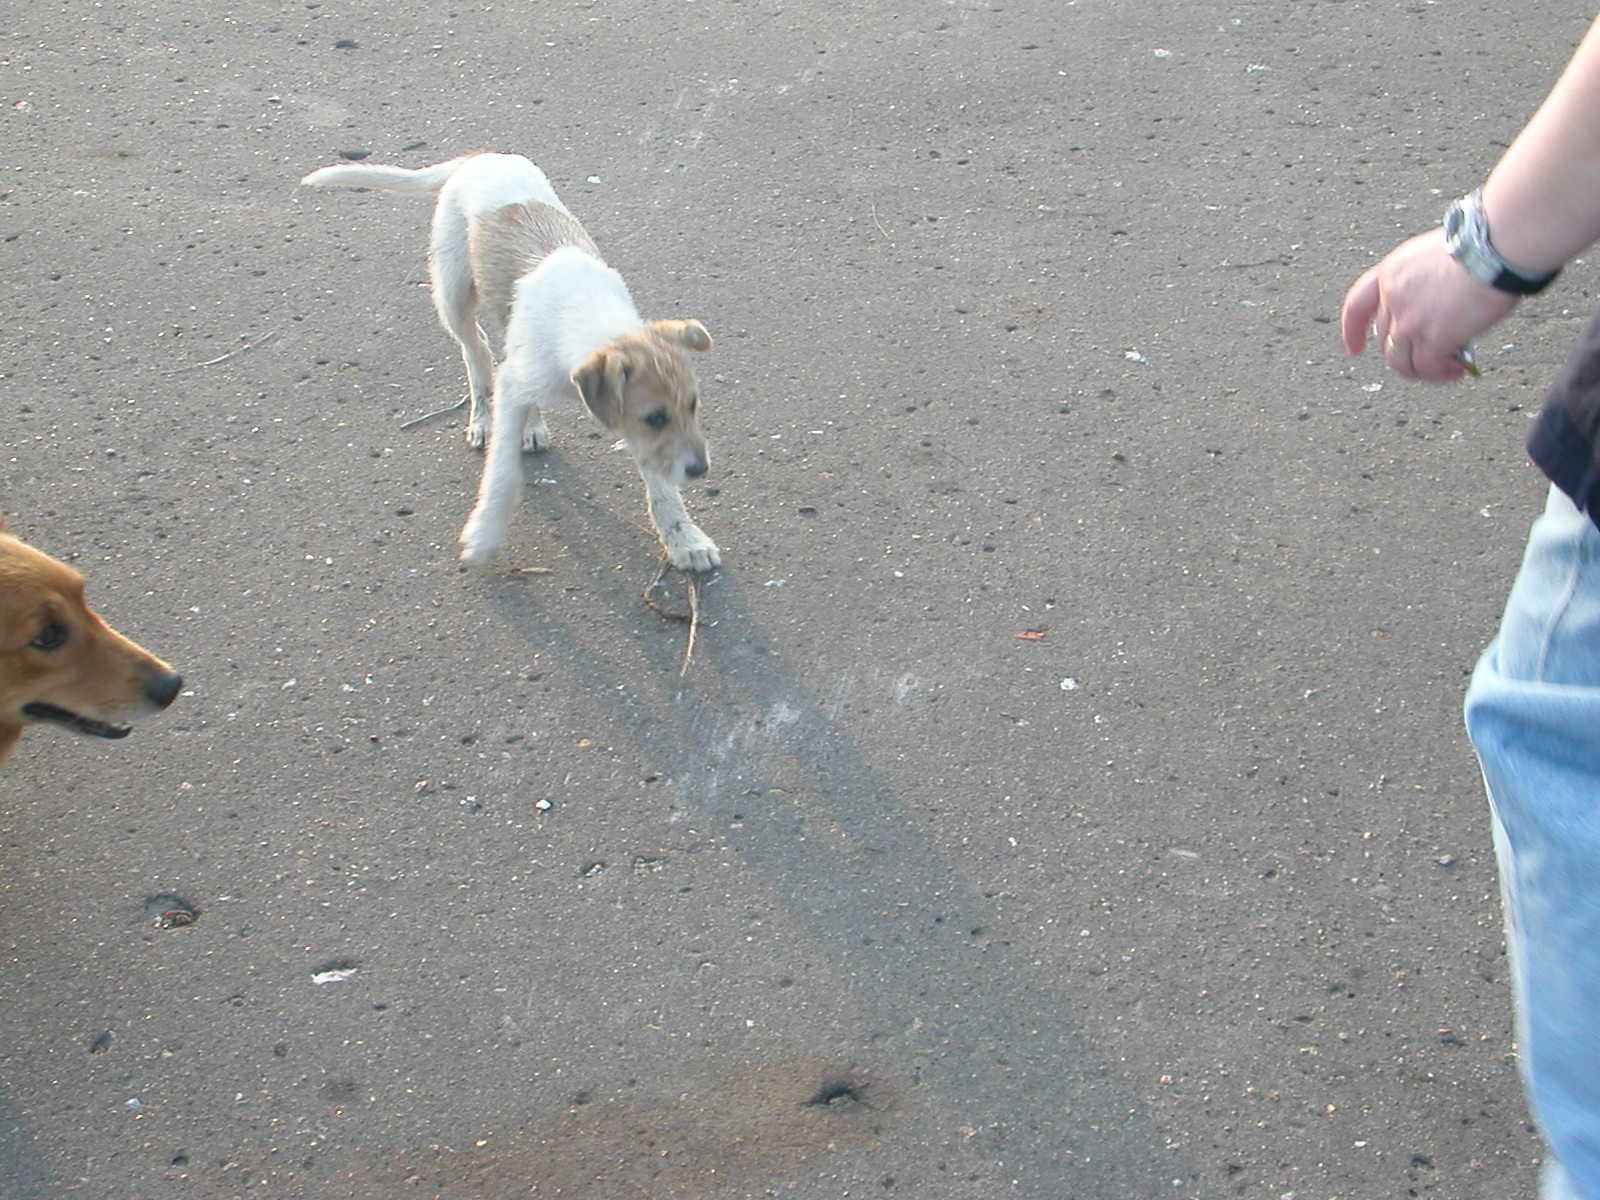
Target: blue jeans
point(1533, 712)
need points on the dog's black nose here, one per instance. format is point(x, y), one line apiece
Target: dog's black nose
point(696, 469)
point(163, 689)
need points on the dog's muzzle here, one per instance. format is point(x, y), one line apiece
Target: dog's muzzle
point(160, 691)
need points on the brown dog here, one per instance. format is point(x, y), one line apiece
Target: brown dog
point(60, 664)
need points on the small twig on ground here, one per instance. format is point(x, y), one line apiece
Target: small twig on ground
point(438, 412)
point(879, 223)
point(211, 362)
point(1281, 260)
point(694, 624)
point(650, 589)
point(692, 617)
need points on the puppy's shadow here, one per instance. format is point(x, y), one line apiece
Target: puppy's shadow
point(982, 1036)
point(22, 1170)
point(581, 500)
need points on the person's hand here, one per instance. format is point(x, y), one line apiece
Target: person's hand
point(1423, 306)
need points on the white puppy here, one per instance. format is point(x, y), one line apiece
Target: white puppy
point(502, 238)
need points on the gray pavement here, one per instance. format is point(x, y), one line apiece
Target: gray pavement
point(1025, 325)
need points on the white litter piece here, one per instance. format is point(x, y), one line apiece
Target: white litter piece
point(337, 975)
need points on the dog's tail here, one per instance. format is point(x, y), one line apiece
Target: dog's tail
point(390, 179)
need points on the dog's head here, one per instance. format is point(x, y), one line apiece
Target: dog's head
point(641, 387)
point(59, 662)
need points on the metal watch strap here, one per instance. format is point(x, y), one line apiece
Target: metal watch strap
point(1467, 237)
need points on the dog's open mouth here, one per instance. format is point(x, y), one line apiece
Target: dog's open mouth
point(39, 711)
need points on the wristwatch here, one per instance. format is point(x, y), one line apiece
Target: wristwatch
point(1466, 235)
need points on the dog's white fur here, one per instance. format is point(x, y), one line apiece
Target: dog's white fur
point(501, 236)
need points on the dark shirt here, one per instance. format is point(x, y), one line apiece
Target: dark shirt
point(1565, 440)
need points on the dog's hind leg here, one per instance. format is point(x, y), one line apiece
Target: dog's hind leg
point(501, 486)
point(455, 299)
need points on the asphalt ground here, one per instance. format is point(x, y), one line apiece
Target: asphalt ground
point(1065, 796)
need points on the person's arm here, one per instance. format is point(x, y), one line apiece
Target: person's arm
point(1542, 202)
point(1543, 199)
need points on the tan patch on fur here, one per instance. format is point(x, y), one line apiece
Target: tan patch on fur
point(510, 242)
point(95, 673)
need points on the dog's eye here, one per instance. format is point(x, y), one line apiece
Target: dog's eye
point(657, 419)
point(52, 637)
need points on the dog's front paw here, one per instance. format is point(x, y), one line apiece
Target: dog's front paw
point(477, 434)
point(692, 550)
point(479, 546)
point(536, 435)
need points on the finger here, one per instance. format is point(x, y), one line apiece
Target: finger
point(1397, 353)
point(1360, 303)
point(1436, 368)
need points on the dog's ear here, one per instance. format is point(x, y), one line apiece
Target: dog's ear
point(599, 379)
point(686, 333)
